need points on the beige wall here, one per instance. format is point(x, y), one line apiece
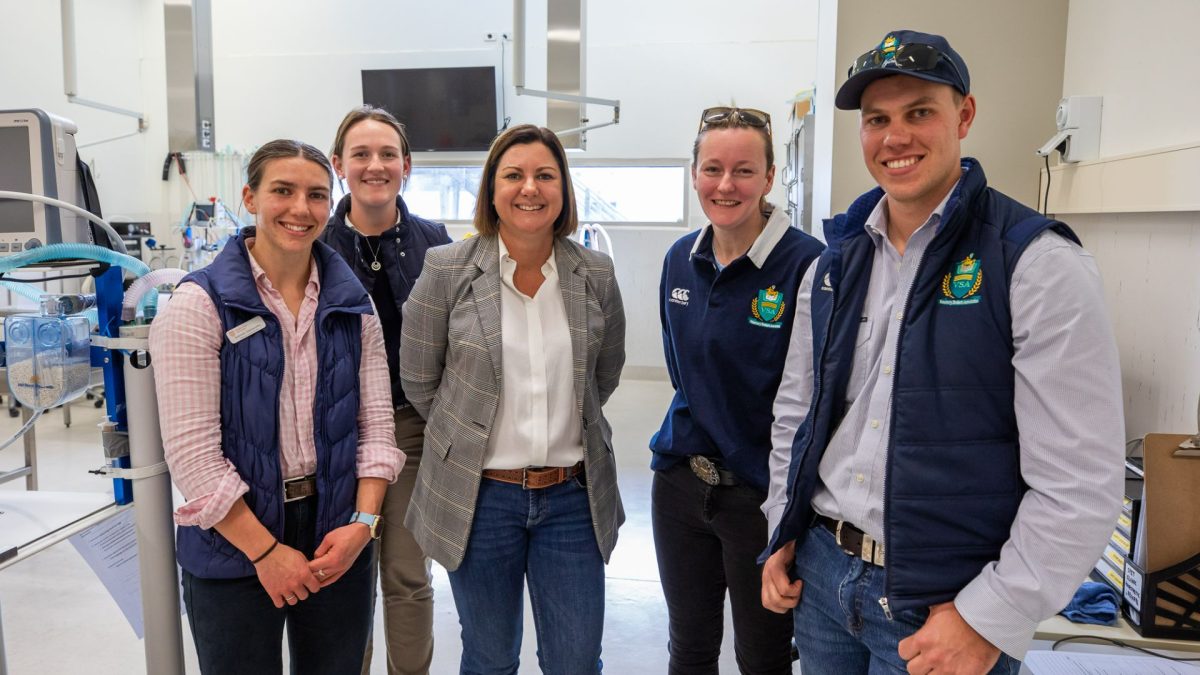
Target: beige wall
point(1148, 259)
point(1015, 53)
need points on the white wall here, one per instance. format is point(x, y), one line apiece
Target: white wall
point(1150, 91)
point(291, 68)
point(120, 63)
point(665, 61)
point(1149, 260)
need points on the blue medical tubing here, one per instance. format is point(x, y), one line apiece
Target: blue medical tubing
point(30, 291)
point(85, 252)
point(109, 293)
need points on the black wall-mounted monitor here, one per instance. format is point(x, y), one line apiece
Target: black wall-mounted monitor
point(442, 109)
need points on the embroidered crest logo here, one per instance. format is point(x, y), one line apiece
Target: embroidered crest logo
point(961, 286)
point(887, 48)
point(766, 309)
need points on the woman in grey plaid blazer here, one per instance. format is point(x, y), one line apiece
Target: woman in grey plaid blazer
point(512, 341)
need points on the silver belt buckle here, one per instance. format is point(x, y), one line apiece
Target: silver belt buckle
point(704, 469)
point(305, 486)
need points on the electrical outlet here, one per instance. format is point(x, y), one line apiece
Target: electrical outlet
point(489, 37)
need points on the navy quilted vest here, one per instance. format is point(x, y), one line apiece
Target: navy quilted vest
point(251, 376)
point(953, 480)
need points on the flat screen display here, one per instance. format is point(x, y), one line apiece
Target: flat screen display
point(441, 108)
point(15, 175)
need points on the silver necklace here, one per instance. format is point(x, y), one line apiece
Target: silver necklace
point(375, 265)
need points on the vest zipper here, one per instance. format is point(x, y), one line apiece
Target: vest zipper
point(816, 397)
point(887, 473)
point(279, 464)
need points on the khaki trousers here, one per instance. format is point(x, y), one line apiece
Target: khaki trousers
point(402, 568)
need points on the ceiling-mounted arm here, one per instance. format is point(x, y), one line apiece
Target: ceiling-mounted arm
point(70, 83)
point(519, 79)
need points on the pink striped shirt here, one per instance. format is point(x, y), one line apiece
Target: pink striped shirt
point(185, 342)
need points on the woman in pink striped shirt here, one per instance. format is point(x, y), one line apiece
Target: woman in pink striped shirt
point(277, 424)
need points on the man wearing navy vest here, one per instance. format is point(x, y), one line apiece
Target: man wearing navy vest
point(948, 436)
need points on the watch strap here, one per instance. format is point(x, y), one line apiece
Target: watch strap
point(371, 520)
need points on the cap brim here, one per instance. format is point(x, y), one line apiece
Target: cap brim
point(849, 97)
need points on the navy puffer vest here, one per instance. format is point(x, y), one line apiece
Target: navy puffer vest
point(953, 480)
point(251, 377)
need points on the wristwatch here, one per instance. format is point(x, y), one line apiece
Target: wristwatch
point(371, 520)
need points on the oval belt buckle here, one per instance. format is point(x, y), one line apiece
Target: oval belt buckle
point(704, 469)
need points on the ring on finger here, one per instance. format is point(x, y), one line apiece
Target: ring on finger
point(290, 598)
point(321, 574)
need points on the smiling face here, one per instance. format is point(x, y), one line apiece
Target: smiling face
point(373, 163)
point(290, 205)
point(528, 192)
point(731, 177)
point(911, 132)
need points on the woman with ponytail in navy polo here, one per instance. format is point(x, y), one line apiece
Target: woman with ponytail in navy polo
point(726, 308)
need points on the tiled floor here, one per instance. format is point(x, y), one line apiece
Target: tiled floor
point(57, 618)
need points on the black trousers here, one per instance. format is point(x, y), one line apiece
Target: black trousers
point(708, 540)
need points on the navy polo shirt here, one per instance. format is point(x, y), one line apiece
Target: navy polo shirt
point(726, 334)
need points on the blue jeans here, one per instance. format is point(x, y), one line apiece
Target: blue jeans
point(840, 627)
point(238, 629)
point(544, 536)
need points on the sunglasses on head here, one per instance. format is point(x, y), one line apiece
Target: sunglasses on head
point(723, 114)
point(915, 57)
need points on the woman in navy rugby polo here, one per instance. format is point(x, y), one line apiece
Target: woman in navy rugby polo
point(726, 308)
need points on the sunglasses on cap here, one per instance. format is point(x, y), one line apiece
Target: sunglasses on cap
point(914, 57)
point(723, 114)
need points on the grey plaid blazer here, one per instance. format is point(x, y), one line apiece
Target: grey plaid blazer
point(450, 368)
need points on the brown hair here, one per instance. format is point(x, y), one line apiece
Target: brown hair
point(487, 221)
point(368, 112)
point(284, 148)
point(735, 122)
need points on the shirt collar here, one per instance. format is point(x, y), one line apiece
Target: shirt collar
point(508, 266)
point(777, 226)
point(350, 224)
point(260, 275)
point(877, 225)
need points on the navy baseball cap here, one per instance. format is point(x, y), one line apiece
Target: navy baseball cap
point(905, 52)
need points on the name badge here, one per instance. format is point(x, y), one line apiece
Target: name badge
point(239, 333)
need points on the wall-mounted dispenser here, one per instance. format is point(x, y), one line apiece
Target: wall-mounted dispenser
point(1078, 137)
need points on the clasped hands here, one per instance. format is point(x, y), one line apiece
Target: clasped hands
point(289, 578)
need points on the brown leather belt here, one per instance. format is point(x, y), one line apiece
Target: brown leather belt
point(299, 488)
point(853, 541)
point(535, 478)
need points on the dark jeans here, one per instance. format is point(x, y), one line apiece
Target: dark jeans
point(707, 540)
point(840, 626)
point(544, 537)
point(238, 629)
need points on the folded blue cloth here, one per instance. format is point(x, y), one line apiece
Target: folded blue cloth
point(1094, 603)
